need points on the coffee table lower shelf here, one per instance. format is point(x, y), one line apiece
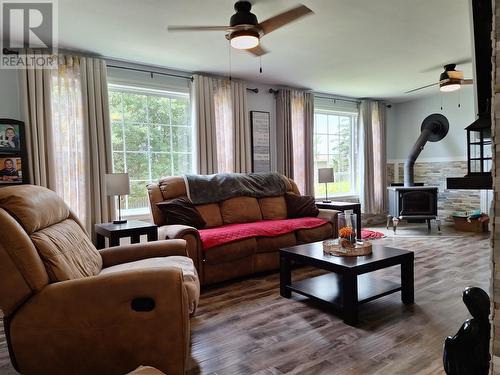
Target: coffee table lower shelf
point(328, 289)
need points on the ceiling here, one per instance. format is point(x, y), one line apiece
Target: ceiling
point(356, 48)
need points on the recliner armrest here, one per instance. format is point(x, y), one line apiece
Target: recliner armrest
point(112, 256)
point(192, 237)
point(330, 215)
point(176, 231)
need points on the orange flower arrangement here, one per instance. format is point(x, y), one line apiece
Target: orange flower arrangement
point(345, 232)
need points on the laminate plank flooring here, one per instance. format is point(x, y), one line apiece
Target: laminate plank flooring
point(245, 327)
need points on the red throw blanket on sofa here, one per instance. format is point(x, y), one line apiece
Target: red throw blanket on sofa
point(213, 237)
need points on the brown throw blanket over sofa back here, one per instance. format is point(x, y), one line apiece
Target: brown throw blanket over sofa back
point(242, 257)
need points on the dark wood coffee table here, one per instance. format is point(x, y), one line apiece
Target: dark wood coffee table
point(349, 283)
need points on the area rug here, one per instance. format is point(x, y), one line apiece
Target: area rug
point(367, 234)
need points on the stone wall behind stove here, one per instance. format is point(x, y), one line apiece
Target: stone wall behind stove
point(434, 174)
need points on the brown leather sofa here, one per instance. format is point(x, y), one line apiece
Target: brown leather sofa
point(240, 258)
point(69, 309)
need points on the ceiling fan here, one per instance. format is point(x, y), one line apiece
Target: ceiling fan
point(244, 31)
point(449, 80)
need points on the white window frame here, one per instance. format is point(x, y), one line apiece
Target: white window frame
point(144, 212)
point(353, 157)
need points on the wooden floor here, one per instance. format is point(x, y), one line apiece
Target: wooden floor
point(247, 328)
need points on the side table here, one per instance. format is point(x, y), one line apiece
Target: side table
point(132, 228)
point(343, 206)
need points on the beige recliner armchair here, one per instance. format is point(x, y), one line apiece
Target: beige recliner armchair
point(70, 309)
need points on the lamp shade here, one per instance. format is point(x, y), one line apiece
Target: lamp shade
point(117, 184)
point(325, 175)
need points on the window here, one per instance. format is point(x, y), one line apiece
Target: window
point(334, 140)
point(151, 138)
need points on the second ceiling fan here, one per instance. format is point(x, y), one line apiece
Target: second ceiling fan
point(449, 80)
point(244, 30)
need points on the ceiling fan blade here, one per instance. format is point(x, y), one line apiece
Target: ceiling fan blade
point(467, 60)
point(284, 18)
point(257, 51)
point(198, 28)
point(423, 87)
point(467, 82)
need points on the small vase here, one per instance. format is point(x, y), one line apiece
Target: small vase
point(347, 230)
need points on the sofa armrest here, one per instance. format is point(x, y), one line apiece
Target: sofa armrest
point(166, 232)
point(191, 236)
point(97, 317)
point(112, 256)
point(330, 215)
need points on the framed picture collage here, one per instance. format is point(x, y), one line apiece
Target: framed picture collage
point(13, 154)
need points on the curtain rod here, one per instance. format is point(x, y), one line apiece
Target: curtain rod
point(274, 91)
point(338, 99)
point(150, 72)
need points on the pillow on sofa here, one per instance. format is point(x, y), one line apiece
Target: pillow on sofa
point(181, 211)
point(300, 206)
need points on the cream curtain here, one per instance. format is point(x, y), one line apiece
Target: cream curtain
point(224, 128)
point(372, 157)
point(284, 131)
point(220, 115)
point(295, 122)
point(242, 161)
point(203, 117)
point(35, 91)
point(97, 140)
point(68, 127)
point(68, 131)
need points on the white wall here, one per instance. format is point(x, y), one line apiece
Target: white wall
point(9, 94)
point(404, 121)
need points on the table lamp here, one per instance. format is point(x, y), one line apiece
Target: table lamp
point(325, 175)
point(118, 184)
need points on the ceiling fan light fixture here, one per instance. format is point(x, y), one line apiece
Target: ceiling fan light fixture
point(449, 86)
point(244, 39)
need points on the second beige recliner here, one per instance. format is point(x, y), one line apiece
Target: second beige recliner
point(69, 309)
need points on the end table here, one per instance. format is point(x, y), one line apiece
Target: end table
point(343, 206)
point(132, 228)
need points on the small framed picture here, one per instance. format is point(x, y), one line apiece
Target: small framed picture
point(13, 153)
point(10, 137)
point(261, 141)
point(11, 170)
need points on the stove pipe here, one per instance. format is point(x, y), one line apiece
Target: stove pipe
point(433, 129)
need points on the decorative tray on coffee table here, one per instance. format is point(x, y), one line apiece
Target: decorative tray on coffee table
point(332, 247)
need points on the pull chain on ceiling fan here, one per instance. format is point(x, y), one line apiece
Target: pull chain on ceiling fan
point(244, 30)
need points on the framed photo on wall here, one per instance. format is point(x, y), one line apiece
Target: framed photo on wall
point(13, 153)
point(261, 141)
point(11, 170)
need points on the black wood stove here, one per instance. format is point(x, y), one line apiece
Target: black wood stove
point(413, 202)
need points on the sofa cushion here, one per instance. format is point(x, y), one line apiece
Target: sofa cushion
point(319, 233)
point(211, 214)
point(273, 208)
point(272, 244)
point(240, 210)
point(66, 251)
point(186, 265)
point(300, 206)
point(232, 251)
point(214, 237)
point(181, 211)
